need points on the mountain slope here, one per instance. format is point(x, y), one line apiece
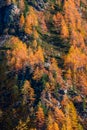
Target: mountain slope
point(43, 65)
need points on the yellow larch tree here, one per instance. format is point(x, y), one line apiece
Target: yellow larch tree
point(38, 73)
point(37, 56)
point(51, 124)
point(28, 93)
point(22, 20)
point(71, 118)
point(31, 21)
point(22, 125)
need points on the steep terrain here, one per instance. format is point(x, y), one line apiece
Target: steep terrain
point(43, 65)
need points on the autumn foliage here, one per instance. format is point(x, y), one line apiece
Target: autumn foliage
point(43, 66)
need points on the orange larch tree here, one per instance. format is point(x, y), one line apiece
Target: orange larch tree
point(40, 119)
point(31, 21)
point(18, 55)
point(75, 63)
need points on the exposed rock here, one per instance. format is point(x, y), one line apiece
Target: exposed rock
point(10, 12)
point(9, 16)
point(38, 4)
point(4, 3)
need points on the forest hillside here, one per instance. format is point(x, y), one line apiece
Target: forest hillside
point(43, 64)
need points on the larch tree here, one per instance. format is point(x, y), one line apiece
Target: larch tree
point(51, 124)
point(75, 63)
point(23, 125)
point(60, 25)
point(38, 73)
point(31, 21)
point(28, 94)
point(71, 119)
point(22, 21)
point(36, 57)
point(18, 55)
point(40, 119)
